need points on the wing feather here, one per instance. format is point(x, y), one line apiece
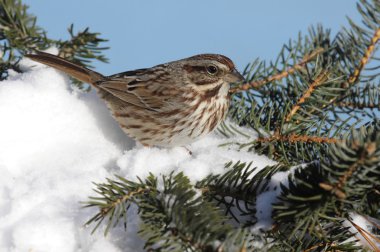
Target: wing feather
point(137, 90)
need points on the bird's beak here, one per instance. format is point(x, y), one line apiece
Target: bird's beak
point(234, 76)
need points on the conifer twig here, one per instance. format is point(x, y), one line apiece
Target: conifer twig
point(105, 210)
point(366, 57)
point(292, 138)
point(361, 105)
point(337, 189)
point(110, 202)
point(287, 72)
point(321, 244)
point(352, 79)
point(367, 236)
point(370, 148)
point(318, 81)
point(355, 75)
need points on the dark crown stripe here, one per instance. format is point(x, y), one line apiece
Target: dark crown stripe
point(222, 59)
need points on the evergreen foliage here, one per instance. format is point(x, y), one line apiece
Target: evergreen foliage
point(167, 208)
point(315, 110)
point(20, 34)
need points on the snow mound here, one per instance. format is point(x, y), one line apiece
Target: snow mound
point(55, 142)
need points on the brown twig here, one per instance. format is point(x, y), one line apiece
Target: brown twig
point(287, 72)
point(355, 75)
point(367, 55)
point(318, 81)
point(337, 189)
point(292, 138)
point(105, 210)
point(352, 79)
point(361, 105)
point(368, 150)
point(367, 236)
point(319, 245)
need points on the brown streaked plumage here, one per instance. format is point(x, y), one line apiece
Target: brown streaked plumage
point(168, 105)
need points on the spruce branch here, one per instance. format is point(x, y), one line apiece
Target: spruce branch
point(182, 223)
point(82, 46)
point(20, 34)
point(334, 239)
point(361, 98)
point(364, 154)
point(293, 138)
point(309, 120)
point(365, 146)
point(300, 104)
point(173, 217)
point(366, 57)
point(352, 169)
point(115, 198)
point(370, 238)
point(354, 77)
point(321, 79)
point(358, 105)
point(320, 245)
point(236, 190)
point(284, 74)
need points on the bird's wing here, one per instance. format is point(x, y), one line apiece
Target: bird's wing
point(141, 88)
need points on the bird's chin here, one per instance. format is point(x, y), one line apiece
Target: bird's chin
point(224, 90)
point(206, 87)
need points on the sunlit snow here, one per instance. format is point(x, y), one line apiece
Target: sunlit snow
point(55, 141)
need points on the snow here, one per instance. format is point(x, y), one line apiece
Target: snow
point(366, 224)
point(56, 141)
point(266, 199)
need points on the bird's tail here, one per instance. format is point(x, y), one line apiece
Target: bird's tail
point(78, 72)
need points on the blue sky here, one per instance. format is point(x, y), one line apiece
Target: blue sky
point(145, 33)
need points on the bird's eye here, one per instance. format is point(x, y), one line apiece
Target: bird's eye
point(211, 69)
